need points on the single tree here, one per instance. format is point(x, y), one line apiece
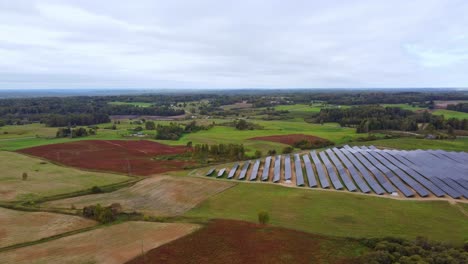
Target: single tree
point(25, 176)
point(263, 217)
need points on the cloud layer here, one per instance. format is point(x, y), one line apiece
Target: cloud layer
point(225, 44)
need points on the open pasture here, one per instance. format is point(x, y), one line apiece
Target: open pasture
point(337, 213)
point(368, 170)
point(44, 178)
point(113, 244)
point(133, 157)
point(237, 242)
point(157, 196)
point(19, 227)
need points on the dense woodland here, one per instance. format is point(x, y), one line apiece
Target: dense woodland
point(90, 110)
point(374, 117)
point(461, 107)
point(421, 250)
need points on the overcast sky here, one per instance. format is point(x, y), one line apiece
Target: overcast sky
point(224, 43)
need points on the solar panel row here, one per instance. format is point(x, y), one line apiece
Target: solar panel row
point(287, 168)
point(309, 171)
point(320, 170)
point(243, 172)
point(421, 171)
point(277, 169)
point(298, 170)
point(266, 169)
point(253, 174)
point(342, 172)
point(232, 172)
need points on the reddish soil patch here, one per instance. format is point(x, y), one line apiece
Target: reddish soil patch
point(232, 242)
point(124, 156)
point(291, 138)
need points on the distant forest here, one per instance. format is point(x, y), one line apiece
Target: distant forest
point(91, 110)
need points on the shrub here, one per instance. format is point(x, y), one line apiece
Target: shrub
point(24, 176)
point(287, 150)
point(96, 189)
point(263, 217)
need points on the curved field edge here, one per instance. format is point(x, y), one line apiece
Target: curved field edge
point(337, 214)
point(46, 179)
point(17, 227)
point(108, 244)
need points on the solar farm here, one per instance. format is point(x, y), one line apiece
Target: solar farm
point(399, 173)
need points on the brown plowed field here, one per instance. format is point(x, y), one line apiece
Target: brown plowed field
point(290, 139)
point(232, 242)
point(124, 156)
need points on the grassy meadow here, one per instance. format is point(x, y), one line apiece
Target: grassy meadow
point(44, 178)
point(337, 213)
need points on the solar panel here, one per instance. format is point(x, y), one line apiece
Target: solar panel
point(355, 175)
point(210, 172)
point(400, 168)
point(331, 172)
point(243, 172)
point(400, 174)
point(277, 169)
point(392, 177)
point(287, 168)
point(266, 169)
point(320, 170)
point(221, 172)
point(341, 172)
point(309, 171)
point(253, 174)
point(364, 166)
point(298, 170)
point(428, 173)
point(232, 172)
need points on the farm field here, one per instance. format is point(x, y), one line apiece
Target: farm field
point(337, 213)
point(405, 106)
point(236, 242)
point(44, 178)
point(123, 156)
point(156, 196)
point(138, 104)
point(110, 244)
point(19, 227)
point(450, 114)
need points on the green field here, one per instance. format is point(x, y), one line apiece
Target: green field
point(138, 104)
point(404, 106)
point(450, 114)
point(44, 178)
point(337, 214)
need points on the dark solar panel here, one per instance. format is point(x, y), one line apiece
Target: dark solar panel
point(287, 168)
point(232, 172)
point(399, 168)
point(298, 170)
point(392, 177)
point(309, 171)
point(331, 171)
point(254, 173)
point(400, 174)
point(243, 172)
point(353, 162)
point(320, 170)
point(277, 169)
point(266, 169)
point(341, 171)
point(352, 170)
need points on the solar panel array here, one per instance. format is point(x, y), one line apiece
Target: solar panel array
point(422, 173)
